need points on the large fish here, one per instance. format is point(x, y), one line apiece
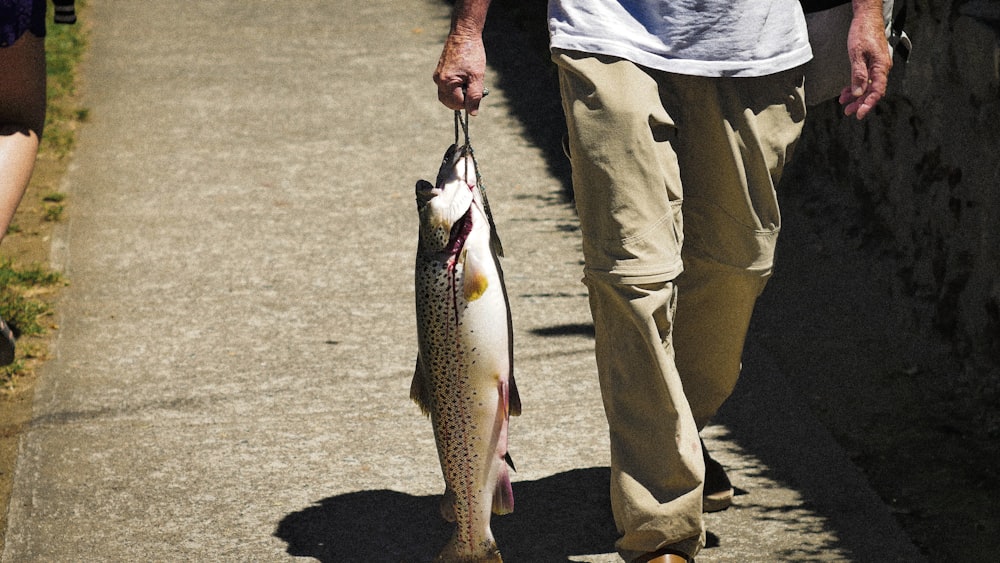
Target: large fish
point(464, 378)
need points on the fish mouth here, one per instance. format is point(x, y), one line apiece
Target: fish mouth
point(447, 223)
point(452, 156)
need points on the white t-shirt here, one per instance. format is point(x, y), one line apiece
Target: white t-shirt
point(696, 37)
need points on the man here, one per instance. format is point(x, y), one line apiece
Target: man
point(671, 101)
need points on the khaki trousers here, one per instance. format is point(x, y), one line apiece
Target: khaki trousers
point(674, 182)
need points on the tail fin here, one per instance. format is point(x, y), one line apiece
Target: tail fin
point(485, 552)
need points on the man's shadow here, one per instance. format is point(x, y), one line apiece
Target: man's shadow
point(556, 517)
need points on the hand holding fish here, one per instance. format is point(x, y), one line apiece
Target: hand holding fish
point(462, 66)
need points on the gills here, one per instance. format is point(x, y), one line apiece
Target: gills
point(464, 378)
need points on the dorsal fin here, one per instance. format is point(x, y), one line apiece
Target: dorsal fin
point(495, 244)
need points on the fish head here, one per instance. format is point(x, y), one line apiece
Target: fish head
point(443, 207)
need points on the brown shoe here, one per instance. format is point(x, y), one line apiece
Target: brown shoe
point(665, 555)
point(718, 493)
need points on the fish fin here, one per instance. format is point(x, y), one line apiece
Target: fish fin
point(475, 281)
point(424, 193)
point(447, 505)
point(417, 390)
point(509, 460)
point(495, 244)
point(513, 398)
point(503, 496)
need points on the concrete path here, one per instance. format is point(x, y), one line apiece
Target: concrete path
point(231, 376)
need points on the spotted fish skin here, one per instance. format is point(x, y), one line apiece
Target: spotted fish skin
point(464, 379)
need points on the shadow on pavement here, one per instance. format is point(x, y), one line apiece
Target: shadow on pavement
point(568, 514)
point(555, 517)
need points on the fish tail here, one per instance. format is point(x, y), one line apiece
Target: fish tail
point(487, 552)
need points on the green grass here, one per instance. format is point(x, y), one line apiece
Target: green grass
point(18, 287)
point(64, 48)
point(21, 308)
point(54, 212)
point(25, 277)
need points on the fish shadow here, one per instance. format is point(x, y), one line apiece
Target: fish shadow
point(554, 518)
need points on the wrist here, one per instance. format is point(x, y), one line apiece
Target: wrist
point(469, 18)
point(867, 8)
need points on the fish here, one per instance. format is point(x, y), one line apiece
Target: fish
point(464, 377)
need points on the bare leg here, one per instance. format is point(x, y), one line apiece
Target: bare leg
point(22, 116)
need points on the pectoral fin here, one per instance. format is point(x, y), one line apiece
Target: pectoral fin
point(476, 278)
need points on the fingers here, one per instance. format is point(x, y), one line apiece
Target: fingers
point(859, 78)
point(451, 96)
point(869, 82)
point(860, 106)
point(473, 96)
point(461, 96)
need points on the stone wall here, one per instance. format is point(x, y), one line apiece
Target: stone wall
point(926, 170)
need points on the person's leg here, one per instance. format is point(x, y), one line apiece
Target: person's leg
point(747, 129)
point(656, 460)
point(22, 116)
point(628, 198)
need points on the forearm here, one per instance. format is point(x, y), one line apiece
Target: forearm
point(469, 17)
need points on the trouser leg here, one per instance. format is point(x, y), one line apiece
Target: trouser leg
point(628, 198)
point(711, 326)
point(747, 130)
point(656, 464)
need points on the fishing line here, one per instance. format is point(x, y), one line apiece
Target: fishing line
point(462, 123)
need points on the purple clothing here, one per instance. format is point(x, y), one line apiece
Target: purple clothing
point(18, 16)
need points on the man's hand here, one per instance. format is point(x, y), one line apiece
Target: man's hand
point(868, 50)
point(460, 70)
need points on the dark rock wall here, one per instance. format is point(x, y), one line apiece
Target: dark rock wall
point(925, 171)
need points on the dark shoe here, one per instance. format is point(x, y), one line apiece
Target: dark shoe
point(718, 494)
point(6, 344)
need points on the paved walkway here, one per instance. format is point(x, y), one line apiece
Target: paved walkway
point(231, 377)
